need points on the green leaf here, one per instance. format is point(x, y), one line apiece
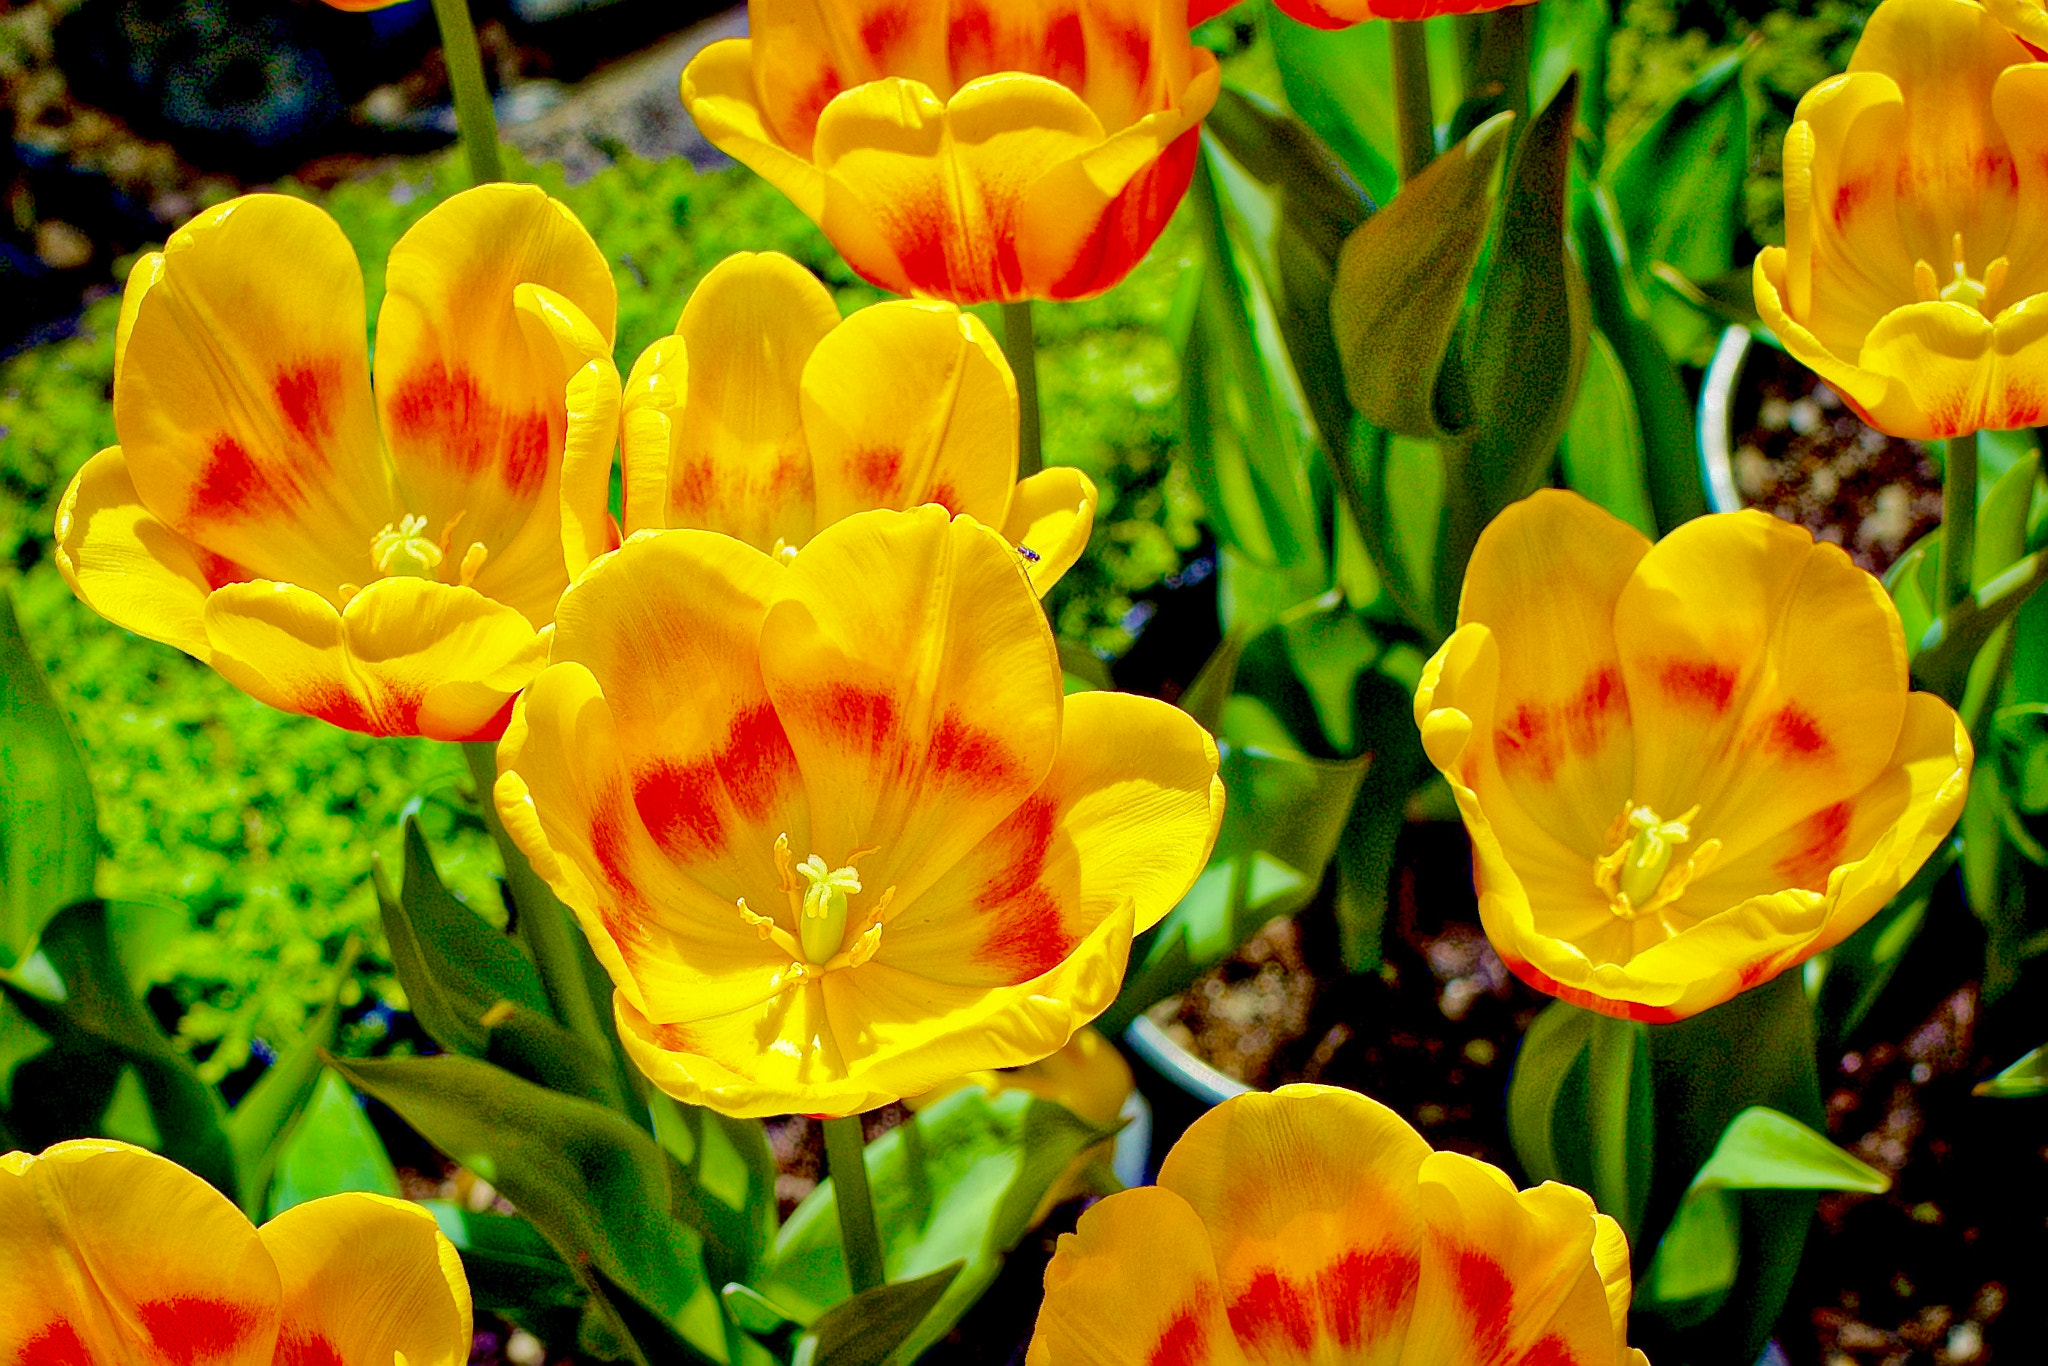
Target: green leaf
point(1550, 1065)
point(1571, 35)
point(1399, 484)
point(48, 838)
point(598, 1188)
point(1523, 347)
point(267, 1114)
point(333, 1148)
point(1950, 645)
point(1401, 283)
point(1281, 820)
point(1911, 582)
point(1696, 1261)
point(1679, 184)
point(1580, 1109)
point(1338, 82)
point(957, 1182)
point(2027, 1077)
point(1602, 451)
point(101, 1014)
point(510, 1266)
point(1857, 969)
point(1379, 812)
point(2002, 520)
point(864, 1330)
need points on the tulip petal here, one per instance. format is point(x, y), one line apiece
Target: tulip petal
point(912, 668)
point(470, 386)
point(1869, 394)
point(128, 566)
point(1561, 738)
point(943, 429)
point(1126, 818)
point(720, 92)
point(1097, 1313)
point(1051, 517)
point(2019, 101)
point(1952, 371)
point(654, 393)
point(365, 1277)
point(1841, 215)
point(116, 1256)
point(1766, 710)
point(143, 276)
point(737, 460)
point(530, 571)
point(406, 657)
point(244, 402)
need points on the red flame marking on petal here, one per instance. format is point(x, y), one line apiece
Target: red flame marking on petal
point(1794, 731)
point(1823, 837)
point(1698, 683)
point(189, 1329)
point(56, 1344)
point(1272, 1307)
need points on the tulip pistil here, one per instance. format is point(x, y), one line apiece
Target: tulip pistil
point(1638, 873)
point(818, 902)
point(1982, 295)
point(404, 549)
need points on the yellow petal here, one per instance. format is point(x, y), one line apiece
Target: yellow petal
point(470, 386)
point(2027, 19)
point(720, 92)
point(1952, 371)
point(1101, 1310)
point(1050, 519)
point(365, 1277)
point(654, 393)
point(1544, 579)
point(406, 657)
point(1766, 677)
point(128, 566)
point(2019, 101)
point(1845, 225)
point(531, 569)
point(1772, 283)
point(912, 668)
point(1123, 823)
point(943, 429)
point(244, 402)
point(115, 1255)
point(737, 460)
point(142, 277)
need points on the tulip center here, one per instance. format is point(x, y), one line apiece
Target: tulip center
point(1642, 873)
point(821, 908)
point(404, 549)
point(1964, 288)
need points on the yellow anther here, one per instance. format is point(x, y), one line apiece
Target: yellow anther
point(762, 924)
point(864, 947)
point(473, 561)
point(1962, 288)
point(405, 549)
point(785, 863)
point(783, 551)
point(1926, 284)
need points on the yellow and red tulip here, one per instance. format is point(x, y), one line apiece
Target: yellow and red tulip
point(1684, 767)
point(1345, 13)
point(117, 1257)
point(830, 826)
point(766, 416)
point(1313, 1225)
point(1914, 275)
point(388, 561)
point(969, 150)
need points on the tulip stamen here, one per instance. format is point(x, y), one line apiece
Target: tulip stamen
point(1638, 873)
point(404, 549)
point(1964, 288)
point(783, 551)
point(818, 900)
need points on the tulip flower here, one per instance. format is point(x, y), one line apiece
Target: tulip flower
point(387, 564)
point(115, 1255)
point(767, 417)
point(1313, 1225)
point(2028, 20)
point(1345, 13)
point(1916, 204)
point(830, 826)
point(1684, 767)
point(970, 150)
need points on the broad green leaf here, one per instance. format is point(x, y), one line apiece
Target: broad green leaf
point(1856, 970)
point(333, 1148)
point(100, 1013)
point(2027, 1077)
point(1522, 346)
point(957, 1182)
point(1549, 1066)
point(600, 1189)
point(510, 1266)
point(1580, 1108)
point(1401, 283)
point(2002, 520)
point(1571, 35)
point(1950, 645)
point(864, 1330)
point(1281, 820)
point(1330, 649)
point(1911, 582)
point(1365, 851)
point(731, 1160)
point(269, 1111)
point(48, 836)
point(1679, 185)
point(1602, 450)
point(1398, 482)
point(1697, 1260)
point(1339, 82)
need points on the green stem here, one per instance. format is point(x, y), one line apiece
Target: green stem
point(544, 922)
point(1958, 519)
point(844, 1147)
point(1020, 348)
point(1610, 1078)
point(1505, 57)
point(1414, 107)
point(473, 117)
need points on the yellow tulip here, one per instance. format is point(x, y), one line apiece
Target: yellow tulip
point(2028, 20)
point(767, 417)
point(1332, 14)
point(1684, 767)
point(115, 1255)
point(1914, 275)
point(385, 563)
point(831, 827)
point(1313, 1225)
point(969, 150)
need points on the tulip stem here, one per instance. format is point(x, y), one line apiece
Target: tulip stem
point(1958, 518)
point(846, 1162)
point(1414, 105)
point(1020, 348)
point(474, 120)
